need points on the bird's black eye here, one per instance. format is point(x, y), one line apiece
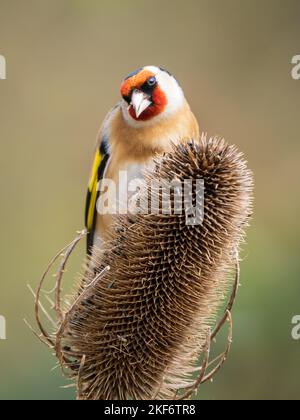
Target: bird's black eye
point(149, 86)
point(152, 81)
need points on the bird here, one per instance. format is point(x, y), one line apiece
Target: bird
point(151, 116)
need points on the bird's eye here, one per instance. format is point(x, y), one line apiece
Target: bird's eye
point(152, 81)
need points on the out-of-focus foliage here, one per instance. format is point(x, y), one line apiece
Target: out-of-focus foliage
point(65, 61)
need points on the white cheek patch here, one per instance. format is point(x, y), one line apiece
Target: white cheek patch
point(172, 90)
point(170, 87)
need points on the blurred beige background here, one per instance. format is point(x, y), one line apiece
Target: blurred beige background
point(65, 63)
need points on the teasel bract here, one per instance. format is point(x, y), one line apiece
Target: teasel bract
point(136, 330)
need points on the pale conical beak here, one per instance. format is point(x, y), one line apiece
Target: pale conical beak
point(140, 102)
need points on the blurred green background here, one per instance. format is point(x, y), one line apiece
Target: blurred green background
point(65, 62)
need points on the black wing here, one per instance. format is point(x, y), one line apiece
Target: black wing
point(99, 166)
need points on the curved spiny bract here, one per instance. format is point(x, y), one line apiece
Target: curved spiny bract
point(144, 323)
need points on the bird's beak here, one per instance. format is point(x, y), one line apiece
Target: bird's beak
point(140, 102)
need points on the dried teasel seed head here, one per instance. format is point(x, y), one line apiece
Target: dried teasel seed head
point(136, 331)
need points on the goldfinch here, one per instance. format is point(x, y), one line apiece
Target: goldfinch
point(152, 115)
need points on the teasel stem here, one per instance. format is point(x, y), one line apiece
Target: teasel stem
point(64, 254)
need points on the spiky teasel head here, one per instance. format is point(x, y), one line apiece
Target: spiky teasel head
point(136, 331)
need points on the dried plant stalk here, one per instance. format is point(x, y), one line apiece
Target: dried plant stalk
point(136, 331)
